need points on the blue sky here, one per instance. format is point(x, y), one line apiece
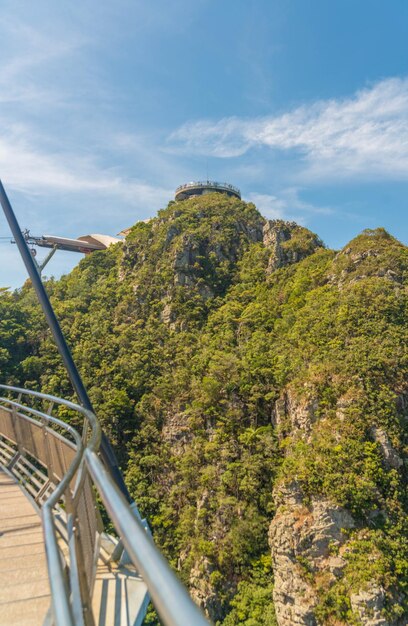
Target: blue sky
point(106, 107)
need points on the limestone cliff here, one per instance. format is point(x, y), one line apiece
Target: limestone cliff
point(316, 542)
point(289, 243)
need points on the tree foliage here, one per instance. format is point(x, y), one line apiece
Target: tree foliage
point(186, 342)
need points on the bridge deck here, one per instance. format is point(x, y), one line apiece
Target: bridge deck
point(24, 590)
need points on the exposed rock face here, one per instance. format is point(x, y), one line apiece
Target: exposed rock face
point(391, 458)
point(368, 606)
point(183, 264)
point(303, 540)
point(309, 538)
point(201, 588)
point(289, 243)
point(167, 315)
point(358, 260)
point(172, 232)
point(402, 406)
point(293, 416)
point(176, 432)
point(202, 591)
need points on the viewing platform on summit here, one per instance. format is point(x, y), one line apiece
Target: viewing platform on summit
point(200, 188)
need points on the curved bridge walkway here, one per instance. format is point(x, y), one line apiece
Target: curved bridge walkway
point(25, 597)
point(24, 589)
point(58, 565)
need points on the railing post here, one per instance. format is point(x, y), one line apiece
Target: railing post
point(73, 571)
point(48, 457)
point(17, 427)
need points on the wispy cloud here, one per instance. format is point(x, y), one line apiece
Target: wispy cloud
point(366, 134)
point(287, 204)
point(28, 169)
point(38, 153)
point(28, 53)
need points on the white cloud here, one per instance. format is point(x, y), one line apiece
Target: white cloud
point(270, 206)
point(45, 147)
point(30, 170)
point(287, 204)
point(364, 135)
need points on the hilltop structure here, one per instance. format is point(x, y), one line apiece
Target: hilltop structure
point(201, 188)
point(197, 188)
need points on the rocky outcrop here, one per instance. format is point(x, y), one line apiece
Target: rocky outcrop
point(369, 605)
point(391, 457)
point(305, 543)
point(309, 537)
point(175, 431)
point(359, 260)
point(202, 591)
point(201, 587)
point(183, 265)
point(289, 243)
point(295, 415)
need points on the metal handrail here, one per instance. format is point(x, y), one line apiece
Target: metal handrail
point(168, 594)
point(173, 604)
point(59, 590)
point(208, 183)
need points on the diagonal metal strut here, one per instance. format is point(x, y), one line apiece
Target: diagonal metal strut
point(107, 452)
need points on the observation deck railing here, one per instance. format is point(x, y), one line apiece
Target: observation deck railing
point(58, 465)
point(209, 184)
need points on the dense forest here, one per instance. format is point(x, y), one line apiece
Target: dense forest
point(254, 385)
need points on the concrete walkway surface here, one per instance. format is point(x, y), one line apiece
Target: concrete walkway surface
point(24, 589)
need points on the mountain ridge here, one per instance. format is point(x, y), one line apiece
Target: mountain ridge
point(254, 384)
